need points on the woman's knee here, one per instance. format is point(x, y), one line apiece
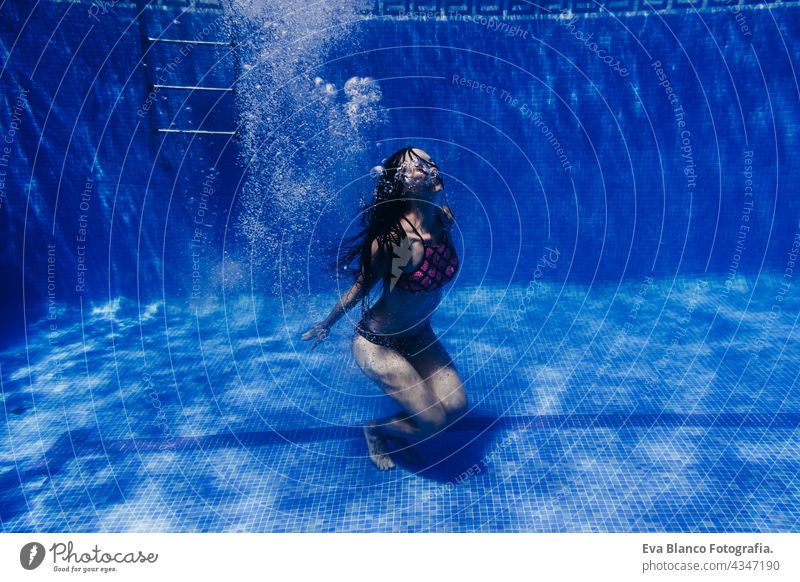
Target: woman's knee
point(450, 392)
point(431, 420)
point(456, 403)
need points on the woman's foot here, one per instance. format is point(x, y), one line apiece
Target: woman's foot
point(378, 451)
point(409, 452)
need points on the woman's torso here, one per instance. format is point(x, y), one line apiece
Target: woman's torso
point(417, 293)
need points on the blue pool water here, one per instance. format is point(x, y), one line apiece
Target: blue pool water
point(624, 319)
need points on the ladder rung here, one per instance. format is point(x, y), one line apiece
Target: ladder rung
point(184, 88)
point(215, 42)
point(203, 131)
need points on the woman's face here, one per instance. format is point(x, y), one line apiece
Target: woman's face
point(419, 173)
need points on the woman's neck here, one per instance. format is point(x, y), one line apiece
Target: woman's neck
point(425, 215)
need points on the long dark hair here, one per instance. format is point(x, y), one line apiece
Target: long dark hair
point(380, 220)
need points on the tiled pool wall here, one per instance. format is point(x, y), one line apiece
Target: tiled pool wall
point(92, 164)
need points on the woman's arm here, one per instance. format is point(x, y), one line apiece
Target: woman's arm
point(346, 302)
point(357, 290)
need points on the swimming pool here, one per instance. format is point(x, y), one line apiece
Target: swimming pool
point(624, 318)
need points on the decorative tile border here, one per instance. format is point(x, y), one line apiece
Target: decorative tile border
point(551, 8)
point(504, 9)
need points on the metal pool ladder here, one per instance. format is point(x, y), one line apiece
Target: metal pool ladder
point(147, 42)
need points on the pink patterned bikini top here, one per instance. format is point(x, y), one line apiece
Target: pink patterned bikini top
point(439, 266)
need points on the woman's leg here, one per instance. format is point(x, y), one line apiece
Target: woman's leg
point(401, 381)
point(436, 368)
point(403, 446)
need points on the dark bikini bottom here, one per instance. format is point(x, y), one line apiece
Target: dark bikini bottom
point(407, 344)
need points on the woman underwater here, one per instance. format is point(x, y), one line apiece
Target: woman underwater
point(405, 245)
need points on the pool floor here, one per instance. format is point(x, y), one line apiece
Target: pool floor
point(649, 406)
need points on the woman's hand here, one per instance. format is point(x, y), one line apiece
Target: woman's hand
point(318, 333)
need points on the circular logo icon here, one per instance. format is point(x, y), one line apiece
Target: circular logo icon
point(31, 555)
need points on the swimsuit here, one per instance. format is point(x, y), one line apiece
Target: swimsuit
point(438, 267)
point(407, 344)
